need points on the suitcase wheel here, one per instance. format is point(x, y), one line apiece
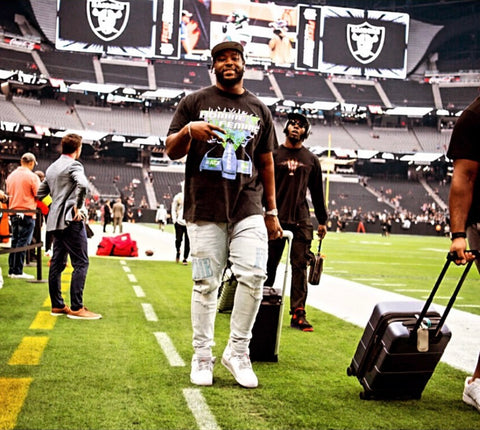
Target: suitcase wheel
point(350, 371)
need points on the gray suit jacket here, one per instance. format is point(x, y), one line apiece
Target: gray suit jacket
point(67, 184)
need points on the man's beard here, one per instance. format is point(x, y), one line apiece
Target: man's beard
point(229, 82)
point(295, 139)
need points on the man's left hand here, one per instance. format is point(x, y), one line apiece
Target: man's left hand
point(274, 228)
point(321, 231)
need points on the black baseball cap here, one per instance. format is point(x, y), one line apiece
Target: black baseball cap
point(222, 46)
point(298, 116)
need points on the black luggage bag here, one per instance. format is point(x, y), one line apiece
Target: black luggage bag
point(402, 344)
point(316, 266)
point(266, 331)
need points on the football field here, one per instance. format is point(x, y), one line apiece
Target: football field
point(130, 370)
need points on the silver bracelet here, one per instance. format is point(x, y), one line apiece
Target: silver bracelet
point(189, 130)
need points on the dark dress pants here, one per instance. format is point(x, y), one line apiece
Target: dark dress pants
point(180, 233)
point(69, 242)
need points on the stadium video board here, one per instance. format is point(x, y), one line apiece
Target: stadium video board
point(359, 42)
point(317, 38)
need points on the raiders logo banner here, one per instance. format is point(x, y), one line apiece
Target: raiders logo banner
point(368, 43)
point(108, 19)
point(112, 26)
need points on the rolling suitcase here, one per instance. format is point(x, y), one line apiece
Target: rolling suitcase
point(265, 342)
point(402, 344)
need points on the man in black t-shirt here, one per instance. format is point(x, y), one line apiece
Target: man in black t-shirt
point(297, 170)
point(464, 206)
point(228, 136)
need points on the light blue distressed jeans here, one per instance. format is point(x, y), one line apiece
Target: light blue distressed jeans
point(245, 244)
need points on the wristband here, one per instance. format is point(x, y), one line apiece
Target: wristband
point(458, 234)
point(189, 127)
point(272, 212)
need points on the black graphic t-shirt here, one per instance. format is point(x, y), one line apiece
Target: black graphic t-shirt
point(222, 182)
point(465, 144)
point(297, 169)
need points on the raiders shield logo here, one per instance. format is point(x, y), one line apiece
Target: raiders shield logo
point(365, 41)
point(108, 18)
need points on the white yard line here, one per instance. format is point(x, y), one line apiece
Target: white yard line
point(169, 349)
point(200, 410)
point(138, 290)
point(149, 312)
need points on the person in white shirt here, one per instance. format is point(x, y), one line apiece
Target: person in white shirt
point(180, 228)
point(161, 217)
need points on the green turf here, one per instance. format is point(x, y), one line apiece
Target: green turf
point(112, 374)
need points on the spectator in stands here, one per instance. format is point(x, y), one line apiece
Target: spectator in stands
point(118, 211)
point(106, 215)
point(464, 206)
point(297, 170)
point(228, 136)
point(130, 215)
point(22, 185)
point(67, 184)
point(180, 227)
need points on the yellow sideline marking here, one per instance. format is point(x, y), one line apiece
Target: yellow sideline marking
point(47, 303)
point(29, 351)
point(13, 392)
point(43, 321)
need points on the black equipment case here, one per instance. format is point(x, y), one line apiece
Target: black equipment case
point(402, 344)
point(266, 331)
point(316, 266)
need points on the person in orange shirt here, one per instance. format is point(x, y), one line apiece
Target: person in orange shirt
point(22, 185)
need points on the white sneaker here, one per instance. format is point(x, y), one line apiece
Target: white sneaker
point(471, 393)
point(21, 276)
point(202, 370)
point(240, 367)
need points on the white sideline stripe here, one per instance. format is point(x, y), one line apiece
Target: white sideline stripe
point(200, 410)
point(126, 268)
point(468, 306)
point(443, 297)
point(411, 290)
point(169, 349)
point(150, 314)
point(131, 277)
point(387, 285)
point(138, 291)
point(365, 279)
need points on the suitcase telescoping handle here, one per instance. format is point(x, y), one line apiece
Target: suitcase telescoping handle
point(450, 257)
point(288, 235)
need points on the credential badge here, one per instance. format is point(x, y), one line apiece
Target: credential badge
point(108, 18)
point(365, 41)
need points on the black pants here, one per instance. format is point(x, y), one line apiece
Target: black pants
point(69, 242)
point(180, 233)
point(299, 258)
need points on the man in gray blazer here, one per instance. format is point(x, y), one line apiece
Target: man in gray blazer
point(67, 184)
